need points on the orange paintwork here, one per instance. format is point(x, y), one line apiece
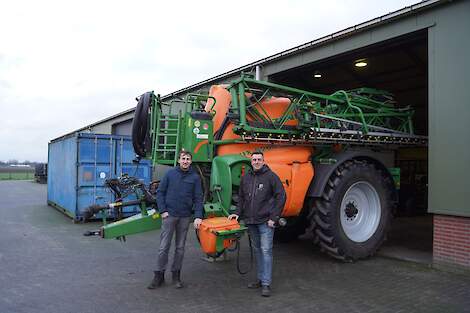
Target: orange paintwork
point(207, 229)
point(200, 144)
point(295, 178)
point(274, 106)
point(223, 103)
point(291, 163)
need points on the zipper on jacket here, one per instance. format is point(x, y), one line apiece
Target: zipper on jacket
point(253, 195)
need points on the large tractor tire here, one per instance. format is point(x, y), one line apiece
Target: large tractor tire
point(354, 214)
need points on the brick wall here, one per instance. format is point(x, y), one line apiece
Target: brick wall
point(451, 241)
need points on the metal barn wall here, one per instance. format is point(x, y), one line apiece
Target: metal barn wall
point(352, 42)
point(449, 105)
point(106, 126)
point(449, 109)
point(122, 128)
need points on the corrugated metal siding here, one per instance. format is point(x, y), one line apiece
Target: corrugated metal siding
point(79, 166)
point(122, 128)
point(62, 174)
point(449, 110)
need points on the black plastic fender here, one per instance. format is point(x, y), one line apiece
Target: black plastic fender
point(322, 172)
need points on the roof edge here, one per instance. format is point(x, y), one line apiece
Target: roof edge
point(386, 18)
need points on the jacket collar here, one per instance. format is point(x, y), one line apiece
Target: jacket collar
point(190, 170)
point(262, 170)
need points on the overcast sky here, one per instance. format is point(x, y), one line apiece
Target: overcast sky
point(67, 64)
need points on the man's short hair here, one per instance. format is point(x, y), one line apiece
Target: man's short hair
point(184, 152)
point(258, 152)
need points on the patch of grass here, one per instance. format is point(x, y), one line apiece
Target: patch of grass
point(16, 175)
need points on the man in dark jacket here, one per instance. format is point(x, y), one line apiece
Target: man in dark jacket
point(179, 191)
point(261, 200)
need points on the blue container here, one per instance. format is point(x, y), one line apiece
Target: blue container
point(78, 166)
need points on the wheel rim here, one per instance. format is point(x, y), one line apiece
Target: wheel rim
point(360, 211)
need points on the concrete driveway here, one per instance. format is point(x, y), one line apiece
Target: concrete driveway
point(46, 265)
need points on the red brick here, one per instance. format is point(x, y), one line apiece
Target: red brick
point(449, 220)
point(451, 239)
point(445, 233)
point(459, 242)
point(445, 249)
point(453, 233)
point(447, 255)
point(462, 253)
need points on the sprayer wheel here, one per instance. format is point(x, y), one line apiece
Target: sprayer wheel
point(353, 215)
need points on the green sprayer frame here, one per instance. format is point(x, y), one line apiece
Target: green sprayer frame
point(362, 116)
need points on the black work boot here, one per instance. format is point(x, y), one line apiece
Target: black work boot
point(265, 291)
point(158, 279)
point(254, 285)
point(176, 277)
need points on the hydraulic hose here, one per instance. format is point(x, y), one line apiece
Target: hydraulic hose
point(238, 246)
point(140, 133)
point(235, 248)
point(95, 208)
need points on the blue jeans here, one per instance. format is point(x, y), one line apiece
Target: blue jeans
point(261, 236)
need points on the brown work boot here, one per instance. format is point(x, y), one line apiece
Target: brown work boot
point(158, 279)
point(254, 285)
point(265, 291)
point(176, 278)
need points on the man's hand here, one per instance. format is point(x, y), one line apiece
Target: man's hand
point(197, 223)
point(233, 216)
point(164, 215)
point(271, 223)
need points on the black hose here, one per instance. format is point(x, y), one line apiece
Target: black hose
point(220, 132)
point(237, 248)
point(88, 212)
point(238, 257)
point(140, 133)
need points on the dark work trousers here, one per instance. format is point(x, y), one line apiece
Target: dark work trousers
point(178, 226)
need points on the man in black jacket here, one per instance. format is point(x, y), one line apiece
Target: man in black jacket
point(179, 191)
point(261, 200)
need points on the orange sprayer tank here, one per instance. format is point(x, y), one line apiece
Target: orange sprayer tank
point(291, 163)
point(208, 237)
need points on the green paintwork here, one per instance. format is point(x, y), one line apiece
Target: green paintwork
point(214, 209)
point(146, 220)
point(199, 140)
point(138, 223)
point(361, 116)
point(449, 109)
point(395, 172)
point(227, 234)
point(172, 129)
point(368, 108)
point(225, 174)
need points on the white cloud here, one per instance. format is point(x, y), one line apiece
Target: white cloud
point(65, 64)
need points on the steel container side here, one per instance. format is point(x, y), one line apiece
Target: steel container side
point(62, 173)
point(90, 159)
point(95, 165)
